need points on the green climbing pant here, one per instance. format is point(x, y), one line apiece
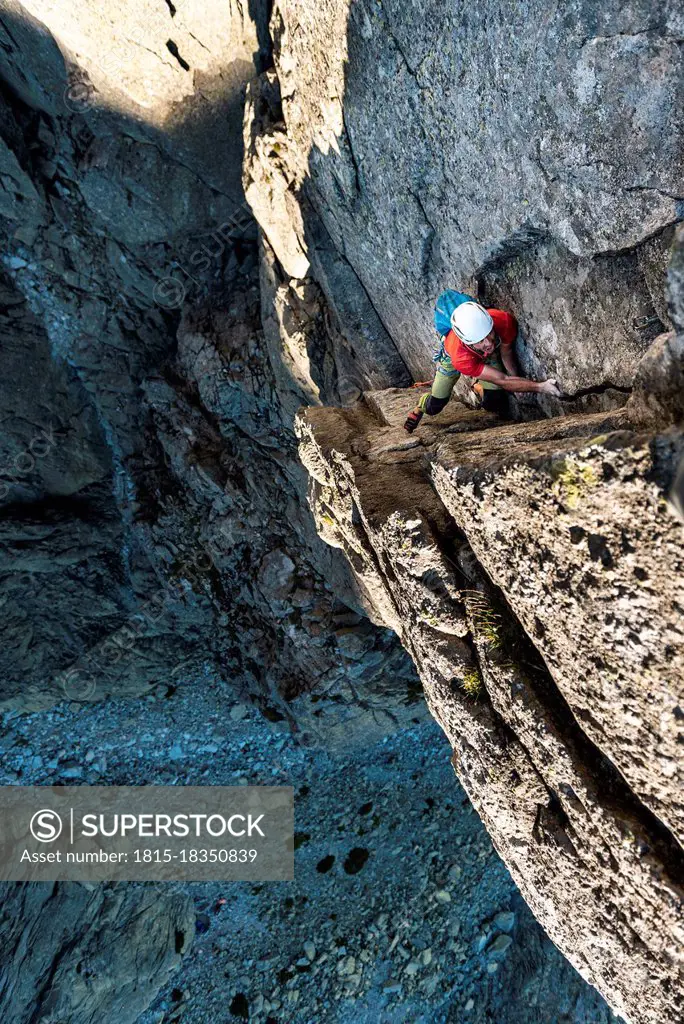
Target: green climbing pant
point(442, 386)
point(446, 376)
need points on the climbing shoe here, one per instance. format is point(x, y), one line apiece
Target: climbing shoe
point(412, 420)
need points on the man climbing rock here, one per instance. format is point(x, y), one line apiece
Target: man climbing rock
point(479, 344)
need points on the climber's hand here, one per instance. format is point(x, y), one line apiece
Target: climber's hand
point(550, 387)
point(413, 419)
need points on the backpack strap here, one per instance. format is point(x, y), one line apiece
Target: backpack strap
point(441, 351)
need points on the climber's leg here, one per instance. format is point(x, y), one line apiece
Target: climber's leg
point(413, 419)
point(434, 401)
point(496, 400)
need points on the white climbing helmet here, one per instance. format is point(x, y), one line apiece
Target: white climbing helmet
point(471, 322)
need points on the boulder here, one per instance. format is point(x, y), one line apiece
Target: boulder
point(88, 954)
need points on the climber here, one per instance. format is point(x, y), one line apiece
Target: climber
point(479, 344)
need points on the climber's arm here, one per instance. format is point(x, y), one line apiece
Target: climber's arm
point(509, 360)
point(492, 376)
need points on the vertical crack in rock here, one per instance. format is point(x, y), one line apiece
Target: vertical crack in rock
point(623, 630)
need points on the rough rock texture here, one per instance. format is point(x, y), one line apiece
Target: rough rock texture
point(88, 955)
point(538, 745)
point(290, 621)
point(534, 572)
point(96, 204)
point(658, 395)
point(157, 346)
point(532, 157)
point(154, 504)
point(534, 154)
point(153, 509)
point(590, 558)
point(273, 170)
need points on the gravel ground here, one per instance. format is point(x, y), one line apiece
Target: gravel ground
point(400, 911)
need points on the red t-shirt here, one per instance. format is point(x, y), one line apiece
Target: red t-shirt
point(467, 361)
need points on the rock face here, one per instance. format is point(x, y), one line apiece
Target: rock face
point(532, 155)
point(590, 558)
point(88, 957)
point(157, 343)
point(153, 505)
point(532, 158)
point(288, 615)
point(570, 758)
point(155, 511)
point(534, 572)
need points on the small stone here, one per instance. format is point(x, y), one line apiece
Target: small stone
point(426, 957)
point(442, 896)
point(238, 712)
point(347, 966)
point(430, 984)
point(26, 233)
point(469, 1005)
point(504, 921)
point(500, 945)
point(309, 950)
point(493, 967)
point(412, 968)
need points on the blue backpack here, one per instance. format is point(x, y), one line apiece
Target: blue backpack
point(446, 304)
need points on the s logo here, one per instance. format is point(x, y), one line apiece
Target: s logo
point(46, 826)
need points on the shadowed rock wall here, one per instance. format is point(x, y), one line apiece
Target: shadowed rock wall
point(149, 327)
point(88, 955)
point(163, 521)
